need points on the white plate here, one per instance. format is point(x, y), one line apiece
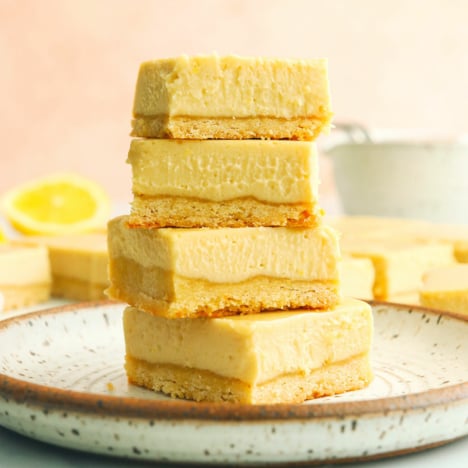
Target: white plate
point(62, 381)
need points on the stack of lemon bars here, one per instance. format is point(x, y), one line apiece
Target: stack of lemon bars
point(231, 275)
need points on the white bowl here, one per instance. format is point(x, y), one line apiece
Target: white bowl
point(415, 179)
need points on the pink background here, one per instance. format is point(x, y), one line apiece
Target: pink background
point(68, 68)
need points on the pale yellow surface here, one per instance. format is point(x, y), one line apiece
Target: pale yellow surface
point(231, 86)
point(81, 257)
point(411, 298)
point(454, 277)
point(22, 264)
point(252, 348)
point(455, 234)
point(402, 250)
point(446, 288)
point(219, 170)
point(358, 228)
point(399, 264)
point(357, 277)
point(228, 255)
point(14, 296)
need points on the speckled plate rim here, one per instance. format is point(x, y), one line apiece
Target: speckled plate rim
point(20, 391)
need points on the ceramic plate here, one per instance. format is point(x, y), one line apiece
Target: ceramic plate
point(62, 381)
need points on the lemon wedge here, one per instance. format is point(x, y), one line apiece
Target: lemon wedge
point(3, 238)
point(57, 204)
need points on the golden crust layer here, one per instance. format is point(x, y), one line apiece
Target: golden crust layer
point(160, 293)
point(245, 212)
point(22, 296)
point(267, 128)
point(201, 385)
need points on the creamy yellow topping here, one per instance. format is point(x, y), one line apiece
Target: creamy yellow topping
point(357, 277)
point(447, 279)
point(23, 264)
point(399, 265)
point(230, 254)
point(217, 170)
point(213, 86)
point(83, 257)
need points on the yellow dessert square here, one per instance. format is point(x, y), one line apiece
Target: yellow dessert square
point(276, 357)
point(78, 264)
point(446, 288)
point(456, 235)
point(212, 272)
point(213, 97)
point(375, 228)
point(357, 277)
point(380, 228)
point(411, 298)
point(399, 265)
point(24, 275)
point(213, 183)
point(461, 251)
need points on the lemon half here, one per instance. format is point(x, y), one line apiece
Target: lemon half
point(57, 204)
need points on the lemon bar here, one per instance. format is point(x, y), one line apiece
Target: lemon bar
point(380, 228)
point(399, 264)
point(461, 251)
point(78, 264)
point(213, 272)
point(357, 277)
point(212, 97)
point(276, 357)
point(411, 298)
point(212, 183)
point(455, 234)
point(24, 275)
point(446, 288)
point(375, 228)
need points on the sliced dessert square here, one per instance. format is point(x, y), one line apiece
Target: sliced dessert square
point(24, 275)
point(454, 234)
point(214, 272)
point(446, 288)
point(276, 357)
point(357, 277)
point(411, 298)
point(399, 265)
point(212, 97)
point(78, 264)
point(213, 183)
